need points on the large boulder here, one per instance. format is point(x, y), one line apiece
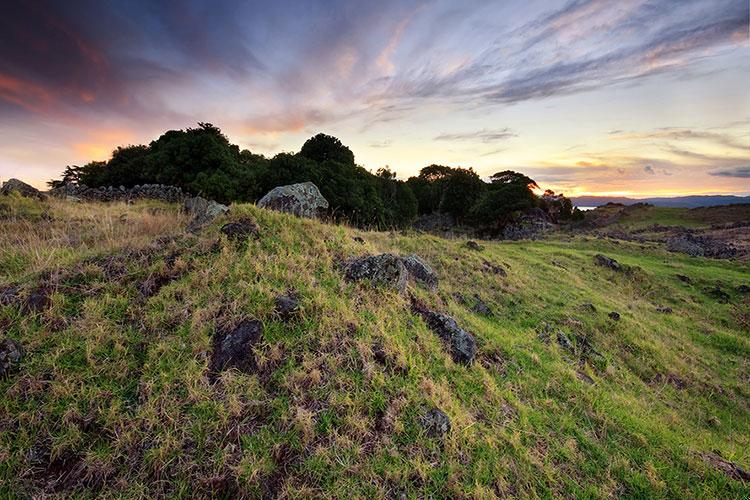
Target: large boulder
point(10, 355)
point(385, 269)
point(20, 187)
point(203, 210)
point(462, 344)
point(604, 261)
point(303, 200)
point(420, 271)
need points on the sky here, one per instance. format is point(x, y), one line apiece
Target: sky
point(627, 97)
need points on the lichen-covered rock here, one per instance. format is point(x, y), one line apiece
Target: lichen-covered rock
point(11, 353)
point(420, 271)
point(462, 343)
point(303, 200)
point(604, 261)
point(436, 423)
point(20, 187)
point(385, 269)
point(203, 210)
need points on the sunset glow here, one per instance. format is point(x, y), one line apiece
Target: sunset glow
point(587, 97)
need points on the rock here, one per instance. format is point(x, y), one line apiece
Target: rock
point(420, 271)
point(588, 307)
point(664, 310)
point(9, 295)
point(493, 269)
point(683, 278)
point(684, 244)
point(729, 468)
point(241, 229)
point(385, 269)
point(604, 261)
point(473, 245)
point(286, 306)
point(480, 307)
point(303, 199)
point(718, 294)
point(436, 423)
point(529, 225)
point(11, 354)
point(565, 342)
point(458, 297)
point(743, 289)
point(37, 300)
point(359, 239)
point(462, 343)
point(234, 349)
point(203, 210)
point(614, 316)
point(20, 187)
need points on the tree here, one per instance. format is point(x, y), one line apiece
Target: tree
point(462, 188)
point(71, 175)
point(508, 192)
point(324, 147)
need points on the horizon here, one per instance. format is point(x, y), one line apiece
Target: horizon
point(637, 99)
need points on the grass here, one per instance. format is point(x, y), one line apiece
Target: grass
point(113, 398)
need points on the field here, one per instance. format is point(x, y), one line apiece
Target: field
point(116, 307)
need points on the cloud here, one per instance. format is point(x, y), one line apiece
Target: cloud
point(740, 172)
point(483, 135)
point(649, 170)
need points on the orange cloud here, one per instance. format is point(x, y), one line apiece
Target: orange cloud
point(101, 144)
point(26, 94)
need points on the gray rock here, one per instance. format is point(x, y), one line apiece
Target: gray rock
point(473, 245)
point(436, 423)
point(234, 349)
point(529, 225)
point(480, 307)
point(489, 267)
point(303, 199)
point(614, 316)
point(462, 343)
point(11, 354)
point(743, 289)
point(20, 187)
point(420, 271)
point(385, 269)
point(286, 306)
point(203, 210)
point(241, 229)
point(565, 342)
point(664, 310)
point(604, 261)
point(683, 244)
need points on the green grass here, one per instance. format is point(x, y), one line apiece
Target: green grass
point(113, 397)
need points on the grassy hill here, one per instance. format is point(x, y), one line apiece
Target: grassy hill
point(116, 307)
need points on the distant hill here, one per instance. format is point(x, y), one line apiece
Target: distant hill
point(679, 201)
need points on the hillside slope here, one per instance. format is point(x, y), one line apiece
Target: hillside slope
point(117, 308)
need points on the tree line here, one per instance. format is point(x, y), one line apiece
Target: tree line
point(202, 161)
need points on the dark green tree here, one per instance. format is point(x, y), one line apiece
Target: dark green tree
point(324, 147)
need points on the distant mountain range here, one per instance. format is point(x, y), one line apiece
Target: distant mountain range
point(678, 201)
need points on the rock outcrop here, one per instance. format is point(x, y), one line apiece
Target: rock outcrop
point(203, 210)
point(420, 271)
point(20, 187)
point(303, 200)
point(529, 225)
point(385, 269)
point(234, 349)
point(11, 353)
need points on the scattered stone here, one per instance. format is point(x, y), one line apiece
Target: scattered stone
point(545, 333)
point(286, 306)
point(565, 342)
point(203, 211)
point(11, 353)
point(729, 468)
point(743, 289)
point(359, 240)
point(604, 261)
point(234, 349)
point(584, 378)
point(9, 295)
point(20, 187)
point(37, 301)
point(462, 343)
point(436, 423)
point(718, 294)
point(588, 307)
point(303, 200)
point(683, 278)
point(684, 244)
point(385, 269)
point(494, 269)
point(480, 307)
point(473, 245)
point(241, 229)
point(664, 310)
point(614, 316)
point(420, 271)
point(458, 297)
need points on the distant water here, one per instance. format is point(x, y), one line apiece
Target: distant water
point(584, 209)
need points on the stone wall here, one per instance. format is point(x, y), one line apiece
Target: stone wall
point(160, 192)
